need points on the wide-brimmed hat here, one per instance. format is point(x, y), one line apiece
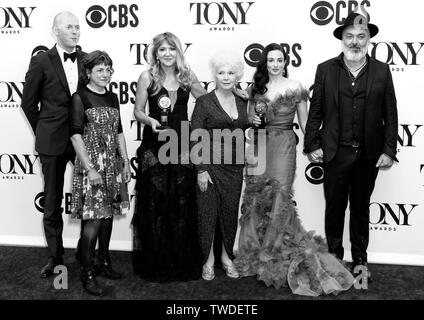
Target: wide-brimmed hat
point(355, 19)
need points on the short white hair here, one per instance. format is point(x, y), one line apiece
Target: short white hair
point(60, 15)
point(227, 58)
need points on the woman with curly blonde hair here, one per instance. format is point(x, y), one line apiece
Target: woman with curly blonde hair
point(165, 241)
point(182, 70)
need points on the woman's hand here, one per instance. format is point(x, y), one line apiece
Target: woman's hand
point(203, 179)
point(154, 124)
point(94, 177)
point(126, 172)
point(256, 120)
point(241, 93)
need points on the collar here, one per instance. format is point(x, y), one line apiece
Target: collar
point(60, 51)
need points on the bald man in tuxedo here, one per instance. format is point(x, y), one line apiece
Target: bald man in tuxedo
point(51, 79)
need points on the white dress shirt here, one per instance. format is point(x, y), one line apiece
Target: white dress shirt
point(71, 69)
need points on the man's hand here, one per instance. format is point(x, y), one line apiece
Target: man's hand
point(241, 93)
point(203, 179)
point(316, 156)
point(384, 161)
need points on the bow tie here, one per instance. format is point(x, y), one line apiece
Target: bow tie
point(71, 56)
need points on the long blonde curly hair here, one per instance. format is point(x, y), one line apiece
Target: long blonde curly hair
point(182, 69)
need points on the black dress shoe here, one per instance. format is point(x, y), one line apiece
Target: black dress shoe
point(104, 268)
point(90, 284)
point(48, 269)
point(361, 266)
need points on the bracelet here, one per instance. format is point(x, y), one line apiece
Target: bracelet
point(90, 166)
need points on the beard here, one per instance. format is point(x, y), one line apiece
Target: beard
point(354, 53)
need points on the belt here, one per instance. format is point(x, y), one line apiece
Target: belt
point(353, 144)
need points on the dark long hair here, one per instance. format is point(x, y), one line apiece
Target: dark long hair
point(91, 60)
point(261, 76)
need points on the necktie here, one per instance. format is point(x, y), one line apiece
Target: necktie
point(71, 56)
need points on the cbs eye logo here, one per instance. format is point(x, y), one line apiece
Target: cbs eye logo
point(322, 13)
point(119, 16)
point(39, 202)
point(252, 54)
point(38, 49)
point(314, 173)
point(96, 16)
point(311, 92)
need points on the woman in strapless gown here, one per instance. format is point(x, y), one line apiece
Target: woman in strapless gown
point(273, 245)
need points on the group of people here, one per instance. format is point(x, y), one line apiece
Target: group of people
point(186, 211)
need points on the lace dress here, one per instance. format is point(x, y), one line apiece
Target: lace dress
point(165, 241)
point(273, 244)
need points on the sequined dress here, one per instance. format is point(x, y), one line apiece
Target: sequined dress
point(96, 117)
point(273, 245)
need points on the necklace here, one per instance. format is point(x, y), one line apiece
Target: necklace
point(350, 71)
point(362, 65)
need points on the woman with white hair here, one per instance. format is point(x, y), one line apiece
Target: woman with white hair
point(220, 168)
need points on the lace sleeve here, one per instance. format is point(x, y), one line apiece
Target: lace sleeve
point(77, 115)
point(117, 106)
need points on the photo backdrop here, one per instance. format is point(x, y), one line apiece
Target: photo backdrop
point(125, 28)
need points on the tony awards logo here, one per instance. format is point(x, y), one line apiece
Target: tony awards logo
point(164, 104)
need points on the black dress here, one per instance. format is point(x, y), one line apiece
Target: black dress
point(218, 205)
point(165, 241)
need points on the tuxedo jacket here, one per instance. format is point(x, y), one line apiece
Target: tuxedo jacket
point(46, 101)
point(380, 115)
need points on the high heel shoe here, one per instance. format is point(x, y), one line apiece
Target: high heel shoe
point(208, 273)
point(230, 270)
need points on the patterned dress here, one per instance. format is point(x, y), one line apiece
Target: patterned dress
point(96, 117)
point(273, 244)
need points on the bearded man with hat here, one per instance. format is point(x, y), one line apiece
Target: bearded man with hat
point(352, 130)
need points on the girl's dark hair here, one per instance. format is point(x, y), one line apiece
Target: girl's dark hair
point(261, 76)
point(91, 60)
